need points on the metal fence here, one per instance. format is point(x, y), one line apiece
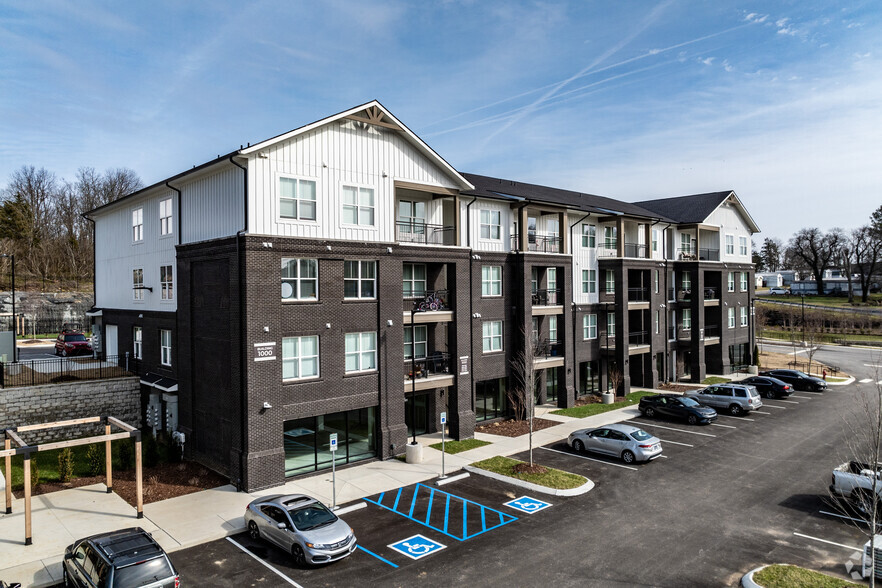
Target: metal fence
point(55, 371)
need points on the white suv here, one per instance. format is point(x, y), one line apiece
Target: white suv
point(736, 399)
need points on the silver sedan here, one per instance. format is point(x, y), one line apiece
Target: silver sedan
point(302, 526)
point(630, 443)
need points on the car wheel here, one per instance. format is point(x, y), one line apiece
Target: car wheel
point(650, 412)
point(253, 531)
point(692, 420)
point(735, 410)
point(770, 394)
point(578, 445)
point(64, 353)
point(628, 456)
point(298, 555)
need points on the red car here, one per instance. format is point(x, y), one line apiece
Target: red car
point(72, 343)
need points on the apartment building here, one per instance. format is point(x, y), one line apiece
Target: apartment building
point(344, 278)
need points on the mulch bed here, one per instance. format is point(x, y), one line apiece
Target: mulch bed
point(512, 428)
point(679, 387)
point(525, 468)
point(167, 480)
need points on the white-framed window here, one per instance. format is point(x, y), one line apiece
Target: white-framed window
point(551, 282)
point(687, 319)
point(358, 206)
point(491, 280)
point(742, 246)
point(415, 339)
point(610, 324)
point(731, 282)
point(360, 279)
point(299, 279)
point(414, 282)
point(300, 357)
point(731, 317)
point(165, 216)
point(137, 225)
point(297, 199)
point(686, 243)
point(552, 329)
point(491, 224)
point(586, 281)
point(492, 336)
point(657, 322)
point(743, 312)
point(589, 235)
point(411, 216)
point(137, 342)
point(167, 282)
point(744, 281)
point(609, 237)
point(610, 285)
point(655, 240)
point(730, 245)
point(589, 326)
point(656, 281)
point(686, 280)
point(361, 352)
point(138, 284)
point(165, 347)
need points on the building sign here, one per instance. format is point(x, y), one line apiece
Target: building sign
point(264, 351)
point(464, 365)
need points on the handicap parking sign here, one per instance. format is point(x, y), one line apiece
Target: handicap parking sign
point(527, 504)
point(417, 546)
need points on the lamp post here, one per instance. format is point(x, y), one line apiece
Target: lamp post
point(415, 309)
point(14, 336)
point(803, 319)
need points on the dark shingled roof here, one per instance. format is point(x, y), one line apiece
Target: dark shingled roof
point(487, 187)
point(686, 209)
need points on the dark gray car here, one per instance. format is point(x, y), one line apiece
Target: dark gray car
point(119, 559)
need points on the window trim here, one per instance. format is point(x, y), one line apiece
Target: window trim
point(743, 248)
point(278, 198)
point(166, 229)
point(589, 237)
point(730, 316)
point(610, 324)
point(165, 351)
point(358, 206)
point(609, 285)
point(425, 280)
point(138, 342)
point(139, 226)
point(489, 224)
point(491, 281)
point(167, 288)
point(359, 353)
point(359, 280)
point(730, 237)
point(414, 341)
point(589, 326)
point(295, 294)
point(744, 282)
point(299, 358)
point(686, 319)
point(492, 336)
point(137, 292)
point(730, 282)
point(743, 316)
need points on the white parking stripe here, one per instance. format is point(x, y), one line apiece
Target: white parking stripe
point(734, 417)
point(795, 396)
point(676, 443)
point(774, 406)
point(828, 542)
point(759, 412)
point(833, 514)
point(618, 465)
point(813, 393)
point(726, 426)
point(278, 573)
point(673, 429)
point(787, 401)
point(866, 380)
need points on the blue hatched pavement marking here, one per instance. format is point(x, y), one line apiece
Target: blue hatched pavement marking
point(504, 518)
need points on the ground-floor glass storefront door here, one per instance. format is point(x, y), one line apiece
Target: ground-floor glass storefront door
point(307, 440)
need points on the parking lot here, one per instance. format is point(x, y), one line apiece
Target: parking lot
point(722, 499)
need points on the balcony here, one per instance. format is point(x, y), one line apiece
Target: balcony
point(684, 335)
point(548, 353)
point(693, 254)
point(636, 250)
point(607, 248)
point(711, 296)
point(428, 372)
point(424, 234)
point(538, 243)
point(548, 301)
point(638, 298)
point(432, 307)
point(711, 334)
point(709, 254)
point(680, 294)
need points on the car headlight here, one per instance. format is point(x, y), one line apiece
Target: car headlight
point(318, 545)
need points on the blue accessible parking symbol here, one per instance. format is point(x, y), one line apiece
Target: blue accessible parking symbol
point(527, 504)
point(417, 546)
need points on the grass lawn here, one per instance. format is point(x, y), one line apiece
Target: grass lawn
point(597, 408)
point(780, 576)
point(453, 447)
point(551, 479)
point(714, 380)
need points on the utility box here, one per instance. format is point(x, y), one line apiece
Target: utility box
point(867, 562)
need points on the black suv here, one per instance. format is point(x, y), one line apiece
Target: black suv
point(119, 559)
point(799, 380)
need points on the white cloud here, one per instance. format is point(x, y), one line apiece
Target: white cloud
point(707, 61)
point(754, 17)
point(728, 66)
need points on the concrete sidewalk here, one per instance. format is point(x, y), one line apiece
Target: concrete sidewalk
point(60, 518)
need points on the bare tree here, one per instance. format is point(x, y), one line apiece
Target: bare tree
point(866, 243)
point(813, 328)
point(760, 321)
point(817, 251)
point(522, 394)
point(616, 377)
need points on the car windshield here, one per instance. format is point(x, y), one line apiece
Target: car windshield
point(143, 573)
point(78, 337)
point(689, 402)
point(801, 374)
point(640, 435)
point(312, 516)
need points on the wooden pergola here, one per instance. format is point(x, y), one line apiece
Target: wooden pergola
point(25, 450)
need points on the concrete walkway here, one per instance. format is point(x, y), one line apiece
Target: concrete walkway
point(61, 517)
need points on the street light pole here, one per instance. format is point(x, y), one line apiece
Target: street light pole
point(14, 328)
point(803, 319)
point(413, 311)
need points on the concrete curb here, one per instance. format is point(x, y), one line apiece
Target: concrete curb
point(583, 489)
point(850, 380)
point(747, 579)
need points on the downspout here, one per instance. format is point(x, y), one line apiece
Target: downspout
point(573, 321)
point(471, 307)
point(167, 185)
point(469, 228)
point(242, 343)
point(94, 266)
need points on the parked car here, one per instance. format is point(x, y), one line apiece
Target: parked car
point(630, 443)
point(736, 399)
point(302, 526)
point(779, 291)
point(799, 380)
point(680, 407)
point(768, 386)
point(119, 559)
point(72, 343)
point(858, 483)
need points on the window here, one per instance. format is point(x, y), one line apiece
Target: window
point(686, 280)
point(655, 240)
point(165, 216)
point(492, 336)
point(165, 347)
point(166, 282)
point(358, 206)
point(609, 237)
point(491, 221)
point(731, 282)
point(589, 326)
point(360, 279)
point(742, 246)
point(589, 235)
point(610, 324)
point(411, 218)
point(610, 281)
point(552, 329)
point(137, 340)
point(657, 322)
point(414, 285)
point(138, 284)
point(687, 319)
point(685, 243)
point(551, 279)
point(730, 245)
point(299, 279)
point(307, 440)
point(744, 281)
point(415, 338)
point(589, 281)
point(361, 352)
point(589, 378)
point(300, 357)
point(534, 280)
point(490, 399)
point(137, 225)
point(656, 281)
point(491, 280)
point(743, 311)
point(297, 199)
point(731, 316)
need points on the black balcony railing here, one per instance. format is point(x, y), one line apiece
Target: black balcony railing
point(416, 232)
point(709, 254)
point(710, 293)
point(428, 300)
point(638, 338)
point(684, 333)
point(607, 248)
point(711, 331)
point(684, 295)
point(53, 371)
point(547, 297)
point(549, 348)
point(434, 364)
point(536, 242)
point(638, 294)
point(686, 254)
point(635, 250)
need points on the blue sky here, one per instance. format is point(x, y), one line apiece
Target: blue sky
point(780, 101)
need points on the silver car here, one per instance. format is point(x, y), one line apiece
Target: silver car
point(735, 399)
point(630, 443)
point(302, 526)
